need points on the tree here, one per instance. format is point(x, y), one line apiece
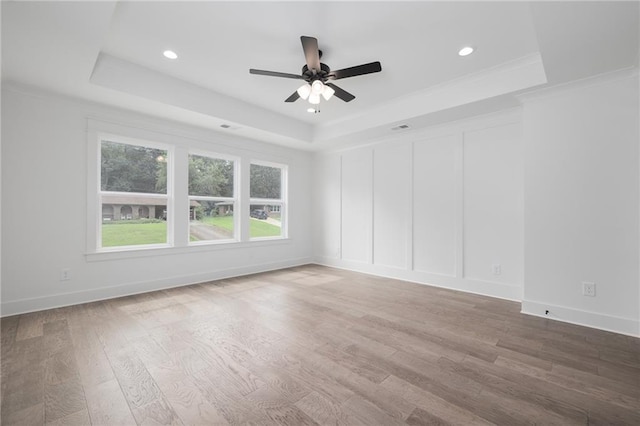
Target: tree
point(210, 177)
point(131, 168)
point(265, 182)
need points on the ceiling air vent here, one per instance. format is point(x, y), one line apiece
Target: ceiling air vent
point(230, 126)
point(400, 127)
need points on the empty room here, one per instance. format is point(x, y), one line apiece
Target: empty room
point(316, 212)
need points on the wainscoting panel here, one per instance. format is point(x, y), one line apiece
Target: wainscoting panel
point(434, 205)
point(440, 206)
point(357, 206)
point(493, 204)
point(391, 205)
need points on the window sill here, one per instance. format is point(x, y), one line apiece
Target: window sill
point(152, 251)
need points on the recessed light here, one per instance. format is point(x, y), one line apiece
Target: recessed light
point(465, 51)
point(311, 110)
point(170, 54)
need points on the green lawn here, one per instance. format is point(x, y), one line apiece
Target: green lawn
point(131, 233)
point(258, 228)
point(125, 233)
point(224, 222)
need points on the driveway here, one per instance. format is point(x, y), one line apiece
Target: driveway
point(202, 231)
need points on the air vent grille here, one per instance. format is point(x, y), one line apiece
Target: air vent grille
point(400, 127)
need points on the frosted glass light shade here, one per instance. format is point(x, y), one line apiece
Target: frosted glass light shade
point(327, 93)
point(304, 91)
point(314, 98)
point(317, 87)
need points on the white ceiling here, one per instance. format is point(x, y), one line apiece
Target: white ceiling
point(111, 52)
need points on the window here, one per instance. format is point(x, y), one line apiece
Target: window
point(212, 200)
point(267, 201)
point(133, 195)
point(164, 192)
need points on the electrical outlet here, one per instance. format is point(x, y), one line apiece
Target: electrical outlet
point(65, 274)
point(589, 289)
point(497, 269)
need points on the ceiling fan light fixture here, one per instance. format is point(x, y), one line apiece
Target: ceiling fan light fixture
point(317, 87)
point(315, 73)
point(304, 91)
point(327, 93)
point(314, 98)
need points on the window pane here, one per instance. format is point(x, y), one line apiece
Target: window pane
point(130, 221)
point(210, 220)
point(265, 221)
point(266, 182)
point(130, 168)
point(210, 177)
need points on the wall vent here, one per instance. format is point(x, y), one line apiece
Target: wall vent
point(400, 127)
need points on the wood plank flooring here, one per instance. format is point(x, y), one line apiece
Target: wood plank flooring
point(312, 345)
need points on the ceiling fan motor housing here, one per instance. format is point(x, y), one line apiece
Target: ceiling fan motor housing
point(322, 74)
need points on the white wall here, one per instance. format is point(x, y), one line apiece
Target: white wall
point(440, 206)
point(550, 192)
point(44, 205)
point(582, 203)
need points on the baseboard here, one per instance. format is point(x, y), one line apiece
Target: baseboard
point(22, 306)
point(627, 326)
point(484, 288)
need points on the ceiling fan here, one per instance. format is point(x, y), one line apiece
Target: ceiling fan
point(317, 75)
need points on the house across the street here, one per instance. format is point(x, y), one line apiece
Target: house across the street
point(117, 207)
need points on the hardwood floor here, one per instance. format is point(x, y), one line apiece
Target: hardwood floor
point(312, 345)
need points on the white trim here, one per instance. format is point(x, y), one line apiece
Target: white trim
point(594, 80)
point(135, 194)
point(135, 141)
point(275, 201)
point(178, 151)
point(503, 117)
point(486, 288)
point(627, 326)
point(203, 198)
point(233, 199)
point(267, 163)
point(214, 155)
point(282, 201)
point(131, 252)
point(98, 139)
point(173, 133)
point(93, 227)
point(22, 306)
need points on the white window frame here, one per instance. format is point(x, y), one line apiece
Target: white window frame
point(233, 199)
point(281, 202)
point(178, 146)
point(106, 137)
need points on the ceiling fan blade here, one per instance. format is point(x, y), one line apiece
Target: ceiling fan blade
point(275, 74)
point(294, 97)
point(340, 93)
point(357, 70)
point(311, 53)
